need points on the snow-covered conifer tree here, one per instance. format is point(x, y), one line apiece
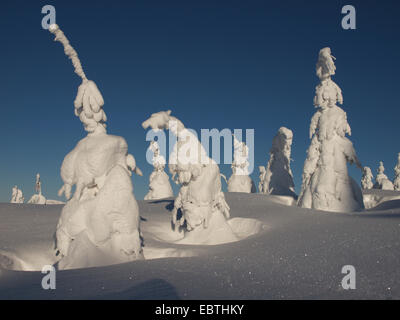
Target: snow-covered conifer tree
point(17, 196)
point(240, 180)
point(100, 223)
point(159, 185)
point(396, 180)
point(381, 179)
point(326, 184)
point(366, 179)
point(201, 202)
point(278, 179)
point(261, 186)
point(38, 198)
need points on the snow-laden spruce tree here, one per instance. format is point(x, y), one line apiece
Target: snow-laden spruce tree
point(366, 179)
point(159, 185)
point(100, 222)
point(396, 181)
point(38, 198)
point(240, 180)
point(381, 179)
point(200, 207)
point(17, 196)
point(326, 184)
point(278, 179)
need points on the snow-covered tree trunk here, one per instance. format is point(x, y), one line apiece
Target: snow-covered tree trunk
point(326, 184)
point(100, 222)
point(278, 179)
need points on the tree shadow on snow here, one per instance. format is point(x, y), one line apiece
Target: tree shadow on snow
point(162, 201)
point(155, 289)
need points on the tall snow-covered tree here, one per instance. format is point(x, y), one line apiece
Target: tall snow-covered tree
point(100, 222)
point(326, 184)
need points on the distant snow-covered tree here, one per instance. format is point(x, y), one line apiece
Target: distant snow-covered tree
point(381, 179)
point(366, 179)
point(38, 198)
point(159, 185)
point(278, 179)
point(261, 186)
point(17, 196)
point(240, 180)
point(396, 181)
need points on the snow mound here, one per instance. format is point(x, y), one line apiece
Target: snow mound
point(374, 198)
point(33, 248)
point(37, 199)
point(241, 183)
point(216, 233)
point(285, 200)
point(53, 202)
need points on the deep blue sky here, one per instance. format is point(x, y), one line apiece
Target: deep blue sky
point(244, 64)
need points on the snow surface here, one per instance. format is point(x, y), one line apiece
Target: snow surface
point(297, 254)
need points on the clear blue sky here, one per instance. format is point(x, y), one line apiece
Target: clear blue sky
point(245, 64)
